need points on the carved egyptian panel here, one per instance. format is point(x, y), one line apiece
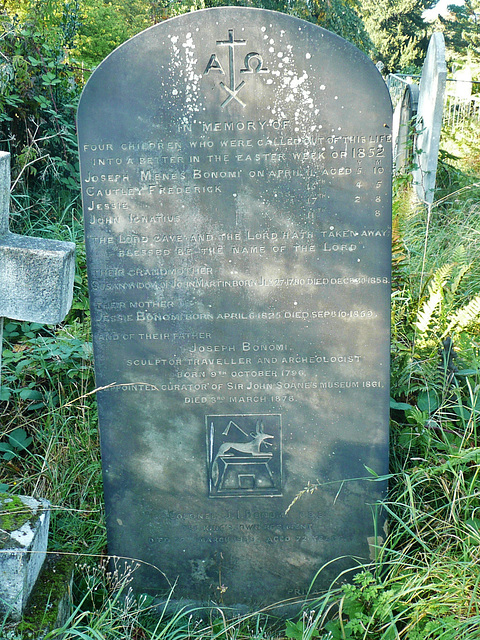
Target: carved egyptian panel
point(236, 170)
point(244, 455)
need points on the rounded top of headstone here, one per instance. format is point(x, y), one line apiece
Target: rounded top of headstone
point(236, 55)
point(429, 117)
point(435, 60)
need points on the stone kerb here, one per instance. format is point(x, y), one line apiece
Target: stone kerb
point(22, 552)
point(429, 118)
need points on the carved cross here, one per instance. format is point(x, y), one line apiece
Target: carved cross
point(231, 43)
point(36, 275)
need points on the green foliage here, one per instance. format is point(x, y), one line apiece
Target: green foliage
point(425, 565)
point(304, 629)
point(439, 313)
point(39, 92)
point(436, 281)
point(35, 367)
point(104, 25)
point(459, 164)
point(461, 30)
point(365, 608)
point(17, 442)
point(398, 32)
point(107, 24)
point(340, 16)
point(80, 309)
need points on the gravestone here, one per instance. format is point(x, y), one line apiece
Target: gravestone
point(459, 104)
point(236, 175)
point(429, 118)
point(403, 136)
point(36, 274)
point(463, 85)
point(36, 285)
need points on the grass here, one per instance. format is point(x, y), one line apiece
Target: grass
point(426, 579)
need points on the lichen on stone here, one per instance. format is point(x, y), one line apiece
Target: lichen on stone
point(49, 603)
point(13, 512)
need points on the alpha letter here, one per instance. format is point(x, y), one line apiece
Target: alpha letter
point(214, 64)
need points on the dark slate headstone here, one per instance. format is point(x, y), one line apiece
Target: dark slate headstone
point(236, 168)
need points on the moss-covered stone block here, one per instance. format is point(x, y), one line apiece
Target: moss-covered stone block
point(24, 523)
point(50, 602)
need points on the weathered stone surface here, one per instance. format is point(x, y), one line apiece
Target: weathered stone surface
point(429, 118)
point(50, 603)
point(236, 169)
point(22, 553)
point(40, 278)
point(36, 274)
point(403, 128)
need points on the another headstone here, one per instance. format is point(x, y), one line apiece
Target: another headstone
point(403, 128)
point(236, 170)
point(459, 106)
point(429, 118)
point(23, 547)
point(463, 85)
point(36, 274)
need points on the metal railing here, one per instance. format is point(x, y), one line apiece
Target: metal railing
point(396, 83)
point(459, 111)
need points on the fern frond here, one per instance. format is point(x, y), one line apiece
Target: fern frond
point(424, 316)
point(464, 316)
point(450, 292)
point(443, 273)
point(459, 277)
point(460, 256)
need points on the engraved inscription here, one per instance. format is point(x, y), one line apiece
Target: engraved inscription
point(237, 207)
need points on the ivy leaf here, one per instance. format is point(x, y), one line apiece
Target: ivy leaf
point(5, 394)
point(428, 401)
point(399, 406)
point(19, 439)
point(30, 394)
